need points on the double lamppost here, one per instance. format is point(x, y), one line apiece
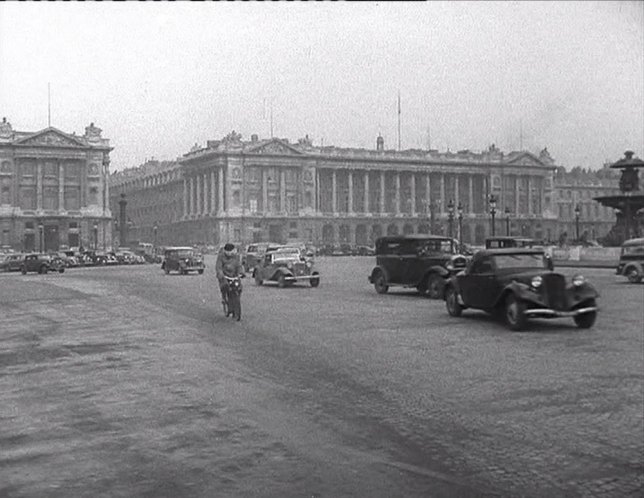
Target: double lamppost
point(450, 218)
point(507, 221)
point(95, 236)
point(41, 229)
point(493, 212)
point(459, 210)
point(155, 228)
point(577, 215)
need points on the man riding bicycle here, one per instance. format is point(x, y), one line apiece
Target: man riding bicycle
point(228, 265)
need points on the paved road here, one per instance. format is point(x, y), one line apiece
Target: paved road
point(127, 382)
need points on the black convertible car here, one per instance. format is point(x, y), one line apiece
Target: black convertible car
point(517, 284)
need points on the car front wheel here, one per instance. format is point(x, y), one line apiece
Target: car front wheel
point(315, 281)
point(281, 281)
point(633, 276)
point(434, 286)
point(23, 270)
point(515, 313)
point(454, 308)
point(586, 320)
point(380, 284)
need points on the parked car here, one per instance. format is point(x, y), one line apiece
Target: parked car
point(515, 283)
point(41, 263)
point(286, 266)
point(69, 261)
point(182, 259)
point(11, 262)
point(365, 251)
point(254, 253)
point(421, 261)
point(631, 260)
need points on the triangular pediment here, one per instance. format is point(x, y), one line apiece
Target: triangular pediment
point(275, 146)
point(51, 137)
point(524, 159)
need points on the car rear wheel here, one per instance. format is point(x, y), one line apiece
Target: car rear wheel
point(200, 272)
point(281, 281)
point(23, 270)
point(586, 320)
point(633, 275)
point(454, 308)
point(166, 270)
point(515, 313)
point(315, 280)
point(62, 270)
point(380, 284)
point(434, 286)
point(43, 270)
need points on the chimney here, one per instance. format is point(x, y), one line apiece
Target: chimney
point(380, 143)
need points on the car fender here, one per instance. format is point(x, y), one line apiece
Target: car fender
point(379, 269)
point(585, 292)
point(437, 269)
point(518, 289)
point(280, 271)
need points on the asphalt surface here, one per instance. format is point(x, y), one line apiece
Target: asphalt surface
point(126, 382)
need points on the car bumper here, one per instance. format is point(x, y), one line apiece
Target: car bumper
point(550, 313)
point(301, 277)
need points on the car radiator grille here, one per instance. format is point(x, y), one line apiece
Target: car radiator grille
point(555, 288)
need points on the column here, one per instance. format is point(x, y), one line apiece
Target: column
point(470, 194)
point(366, 191)
point(382, 191)
point(456, 186)
point(529, 187)
point(39, 189)
point(61, 186)
point(185, 197)
point(264, 191)
point(213, 197)
point(83, 191)
point(334, 192)
point(397, 194)
point(199, 195)
point(350, 179)
point(428, 191)
point(442, 199)
point(193, 196)
point(220, 192)
point(516, 194)
point(413, 193)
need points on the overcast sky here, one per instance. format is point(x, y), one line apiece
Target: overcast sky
point(160, 77)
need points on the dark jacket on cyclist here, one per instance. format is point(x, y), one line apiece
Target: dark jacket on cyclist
point(229, 265)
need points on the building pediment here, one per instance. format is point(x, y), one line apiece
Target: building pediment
point(51, 137)
point(275, 146)
point(524, 159)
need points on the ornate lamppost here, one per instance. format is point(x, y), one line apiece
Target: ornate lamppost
point(450, 218)
point(507, 221)
point(95, 236)
point(493, 212)
point(577, 215)
point(41, 229)
point(155, 228)
point(459, 210)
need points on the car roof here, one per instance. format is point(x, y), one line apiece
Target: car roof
point(180, 248)
point(508, 237)
point(508, 250)
point(634, 242)
point(390, 238)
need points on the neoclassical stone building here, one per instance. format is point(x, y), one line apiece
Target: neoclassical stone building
point(260, 190)
point(54, 189)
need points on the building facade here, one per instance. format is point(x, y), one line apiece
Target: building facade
point(273, 190)
point(54, 189)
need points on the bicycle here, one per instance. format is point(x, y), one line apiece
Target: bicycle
point(232, 297)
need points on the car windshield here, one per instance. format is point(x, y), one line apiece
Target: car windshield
point(185, 254)
point(286, 256)
point(633, 250)
point(519, 261)
point(434, 246)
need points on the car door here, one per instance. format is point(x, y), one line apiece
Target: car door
point(479, 287)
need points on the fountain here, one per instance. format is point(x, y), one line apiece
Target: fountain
point(628, 203)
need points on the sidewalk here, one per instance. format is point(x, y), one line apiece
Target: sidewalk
point(567, 263)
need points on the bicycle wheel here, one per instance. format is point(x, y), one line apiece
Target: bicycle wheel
point(235, 305)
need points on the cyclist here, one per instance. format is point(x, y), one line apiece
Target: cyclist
point(228, 265)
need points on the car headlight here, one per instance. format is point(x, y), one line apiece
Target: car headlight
point(449, 266)
point(578, 280)
point(536, 282)
point(289, 265)
point(308, 264)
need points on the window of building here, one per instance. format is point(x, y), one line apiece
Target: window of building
point(73, 224)
point(28, 197)
point(93, 196)
point(5, 194)
point(293, 225)
point(29, 225)
point(50, 198)
point(28, 170)
point(72, 198)
point(51, 169)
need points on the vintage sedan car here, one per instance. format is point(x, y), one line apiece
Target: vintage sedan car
point(517, 284)
point(11, 262)
point(286, 266)
point(182, 259)
point(253, 254)
point(424, 262)
point(631, 260)
point(41, 263)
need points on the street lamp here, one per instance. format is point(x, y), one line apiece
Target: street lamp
point(95, 236)
point(450, 217)
point(41, 229)
point(577, 215)
point(155, 228)
point(459, 209)
point(493, 212)
point(507, 221)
